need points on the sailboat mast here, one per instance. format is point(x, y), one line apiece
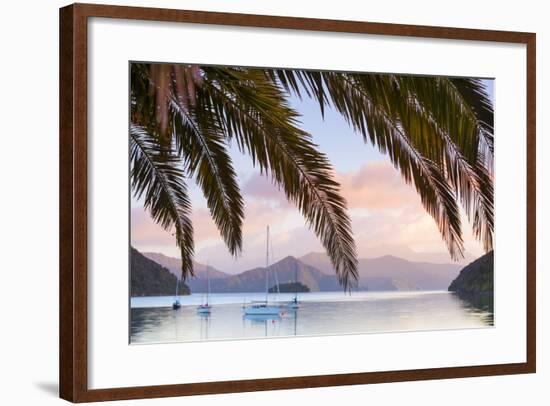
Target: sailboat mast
point(267, 266)
point(296, 283)
point(207, 285)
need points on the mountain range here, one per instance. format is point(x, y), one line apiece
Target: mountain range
point(315, 271)
point(174, 266)
point(415, 275)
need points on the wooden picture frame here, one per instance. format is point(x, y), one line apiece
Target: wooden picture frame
point(73, 200)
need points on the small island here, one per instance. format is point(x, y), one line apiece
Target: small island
point(290, 287)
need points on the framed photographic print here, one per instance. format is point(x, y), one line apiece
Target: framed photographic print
point(255, 202)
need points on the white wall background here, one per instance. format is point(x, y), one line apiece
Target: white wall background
point(29, 193)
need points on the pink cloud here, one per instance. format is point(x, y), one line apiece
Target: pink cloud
point(147, 235)
point(262, 187)
point(203, 226)
point(376, 186)
point(393, 222)
point(145, 232)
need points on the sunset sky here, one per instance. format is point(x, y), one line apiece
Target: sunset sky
point(387, 215)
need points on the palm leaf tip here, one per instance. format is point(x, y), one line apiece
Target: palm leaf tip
point(202, 142)
point(156, 176)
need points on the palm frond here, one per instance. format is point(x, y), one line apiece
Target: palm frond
point(438, 97)
point(455, 133)
point(202, 143)
point(254, 113)
point(156, 175)
point(475, 96)
point(483, 220)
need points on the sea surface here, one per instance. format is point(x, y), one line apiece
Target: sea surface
point(320, 313)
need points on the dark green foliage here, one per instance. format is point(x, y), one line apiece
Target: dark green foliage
point(150, 279)
point(475, 278)
point(289, 287)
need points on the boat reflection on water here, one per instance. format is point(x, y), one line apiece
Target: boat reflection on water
point(270, 322)
point(267, 320)
point(262, 318)
point(204, 325)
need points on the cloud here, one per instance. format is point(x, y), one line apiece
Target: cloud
point(376, 186)
point(297, 242)
point(147, 235)
point(387, 218)
point(145, 232)
point(260, 186)
point(418, 233)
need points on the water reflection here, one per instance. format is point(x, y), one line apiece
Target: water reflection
point(318, 315)
point(204, 325)
point(269, 323)
point(480, 303)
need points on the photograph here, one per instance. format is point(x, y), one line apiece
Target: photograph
point(279, 202)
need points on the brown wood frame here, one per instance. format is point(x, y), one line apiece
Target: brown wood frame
point(73, 348)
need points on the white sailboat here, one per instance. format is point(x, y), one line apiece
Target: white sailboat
point(263, 308)
point(206, 307)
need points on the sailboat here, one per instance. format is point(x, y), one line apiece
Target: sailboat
point(263, 308)
point(176, 304)
point(205, 308)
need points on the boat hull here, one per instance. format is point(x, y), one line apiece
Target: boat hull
point(204, 309)
point(262, 310)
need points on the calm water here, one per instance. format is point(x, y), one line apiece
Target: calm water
point(320, 313)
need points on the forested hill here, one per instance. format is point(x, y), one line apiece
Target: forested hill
point(476, 277)
point(151, 279)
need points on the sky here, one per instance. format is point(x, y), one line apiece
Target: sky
point(386, 214)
